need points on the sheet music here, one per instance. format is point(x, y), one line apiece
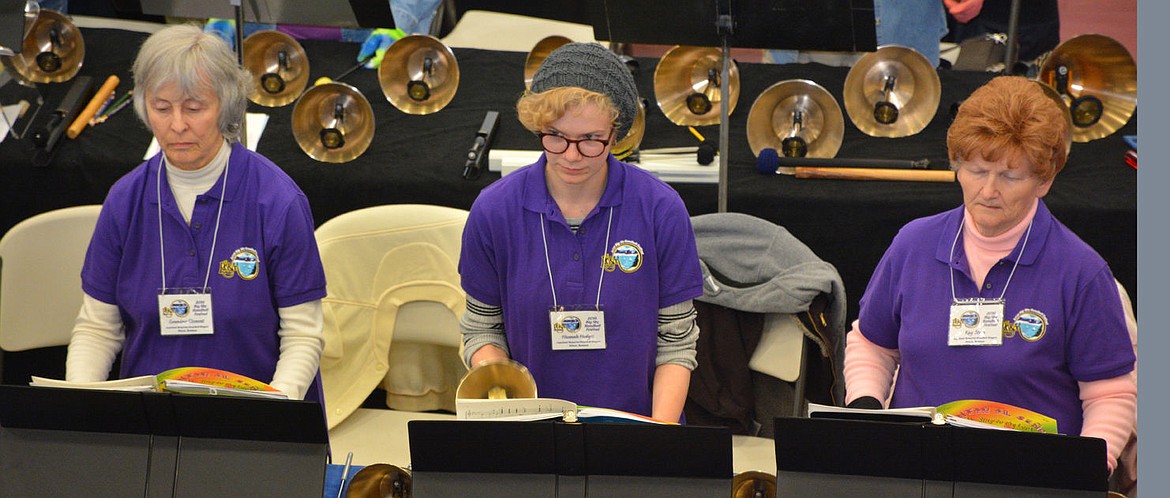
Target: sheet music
point(10, 113)
point(516, 409)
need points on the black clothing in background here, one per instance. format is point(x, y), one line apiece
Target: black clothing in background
point(1039, 27)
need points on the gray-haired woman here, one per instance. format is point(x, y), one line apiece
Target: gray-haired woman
point(204, 254)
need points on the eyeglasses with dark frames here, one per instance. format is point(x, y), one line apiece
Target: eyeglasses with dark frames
point(587, 147)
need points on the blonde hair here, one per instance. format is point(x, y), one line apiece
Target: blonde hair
point(537, 110)
point(1011, 118)
point(186, 56)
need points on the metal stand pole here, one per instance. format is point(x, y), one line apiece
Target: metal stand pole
point(240, 59)
point(1010, 55)
point(725, 25)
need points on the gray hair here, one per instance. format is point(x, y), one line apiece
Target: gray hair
point(193, 60)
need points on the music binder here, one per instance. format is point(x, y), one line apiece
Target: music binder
point(546, 458)
point(832, 25)
point(91, 443)
point(841, 457)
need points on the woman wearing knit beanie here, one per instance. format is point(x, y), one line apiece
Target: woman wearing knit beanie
point(580, 266)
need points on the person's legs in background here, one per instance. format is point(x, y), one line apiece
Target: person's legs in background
point(1038, 30)
point(414, 16)
point(916, 24)
point(61, 6)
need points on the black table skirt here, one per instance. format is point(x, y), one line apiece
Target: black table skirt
point(419, 159)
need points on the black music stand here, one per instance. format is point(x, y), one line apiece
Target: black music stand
point(12, 91)
point(11, 26)
point(342, 13)
point(545, 458)
point(92, 443)
point(833, 25)
point(827, 457)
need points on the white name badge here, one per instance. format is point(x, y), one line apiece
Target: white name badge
point(584, 329)
point(976, 323)
point(185, 313)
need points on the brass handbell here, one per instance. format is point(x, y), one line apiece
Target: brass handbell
point(892, 92)
point(798, 118)
point(504, 379)
point(52, 51)
point(539, 53)
point(279, 67)
point(688, 88)
point(1056, 97)
point(419, 74)
point(753, 484)
point(633, 139)
point(381, 480)
point(333, 122)
point(1097, 78)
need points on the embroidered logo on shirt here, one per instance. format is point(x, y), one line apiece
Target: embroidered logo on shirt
point(1030, 324)
point(626, 255)
point(244, 262)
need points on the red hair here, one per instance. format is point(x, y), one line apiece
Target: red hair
point(1011, 118)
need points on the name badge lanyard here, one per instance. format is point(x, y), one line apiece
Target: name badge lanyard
point(548, 264)
point(576, 329)
point(978, 321)
point(186, 319)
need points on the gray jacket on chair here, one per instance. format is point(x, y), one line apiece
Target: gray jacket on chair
point(754, 265)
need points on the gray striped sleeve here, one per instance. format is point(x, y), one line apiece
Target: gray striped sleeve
point(481, 325)
point(678, 333)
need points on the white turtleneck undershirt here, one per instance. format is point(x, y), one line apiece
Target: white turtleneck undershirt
point(187, 185)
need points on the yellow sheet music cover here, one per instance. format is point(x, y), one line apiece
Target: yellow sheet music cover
point(186, 380)
point(977, 413)
point(997, 414)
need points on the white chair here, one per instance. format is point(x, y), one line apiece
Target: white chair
point(40, 278)
point(392, 309)
point(512, 32)
point(784, 353)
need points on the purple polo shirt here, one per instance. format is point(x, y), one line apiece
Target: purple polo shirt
point(264, 213)
point(1063, 299)
point(503, 263)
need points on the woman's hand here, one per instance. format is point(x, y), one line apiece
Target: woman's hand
point(486, 354)
point(963, 10)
